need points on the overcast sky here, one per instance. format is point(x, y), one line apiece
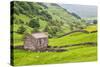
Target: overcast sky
point(81, 10)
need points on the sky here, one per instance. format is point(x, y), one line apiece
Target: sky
point(84, 11)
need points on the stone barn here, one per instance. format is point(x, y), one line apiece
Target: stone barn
point(36, 41)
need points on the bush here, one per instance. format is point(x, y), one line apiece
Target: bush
point(21, 30)
point(34, 23)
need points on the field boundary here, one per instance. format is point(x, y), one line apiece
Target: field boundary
point(84, 31)
point(69, 45)
point(57, 48)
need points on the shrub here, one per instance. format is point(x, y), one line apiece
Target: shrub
point(34, 23)
point(21, 29)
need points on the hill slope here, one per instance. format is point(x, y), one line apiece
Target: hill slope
point(51, 18)
point(28, 17)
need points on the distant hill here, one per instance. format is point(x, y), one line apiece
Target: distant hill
point(84, 11)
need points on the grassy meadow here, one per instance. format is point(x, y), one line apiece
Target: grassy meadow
point(76, 54)
point(84, 53)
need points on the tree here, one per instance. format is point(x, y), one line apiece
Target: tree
point(34, 23)
point(21, 22)
point(21, 29)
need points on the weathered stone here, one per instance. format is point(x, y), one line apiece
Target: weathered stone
point(36, 41)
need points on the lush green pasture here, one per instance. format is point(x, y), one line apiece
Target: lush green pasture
point(74, 38)
point(17, 39)
point(73, 54)
point(91, 28)
point(81, 54)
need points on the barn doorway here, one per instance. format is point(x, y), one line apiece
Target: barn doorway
point(41, 42)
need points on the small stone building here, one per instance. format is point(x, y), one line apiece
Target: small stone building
point(36, 41)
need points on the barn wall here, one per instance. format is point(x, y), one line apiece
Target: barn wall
point(32, 43)
point(42, 43)
point(28, 44)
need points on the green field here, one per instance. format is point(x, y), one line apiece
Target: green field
point(74, 38)
point(81, 54)
point(74, 54)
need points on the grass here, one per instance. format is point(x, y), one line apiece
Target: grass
point(42, 24)
point(73, 39)
point(17, 39)
point(82, 54)
point(70, 39)
point(85, 53)
point(91, 28)
point(74, 54)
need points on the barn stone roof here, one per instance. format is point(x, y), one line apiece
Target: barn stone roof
point(39, 35)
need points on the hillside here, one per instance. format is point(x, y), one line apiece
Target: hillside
point(49, 18)
point(31, 17)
